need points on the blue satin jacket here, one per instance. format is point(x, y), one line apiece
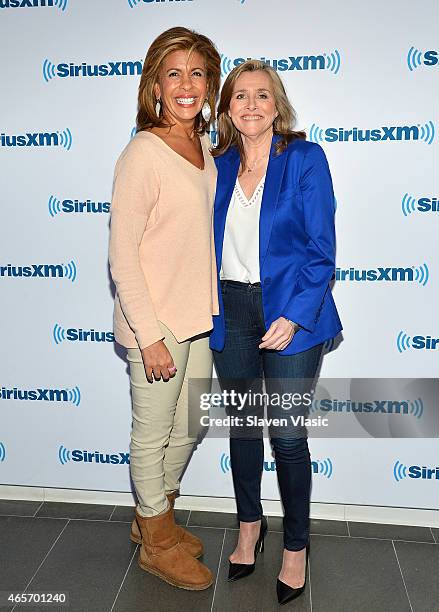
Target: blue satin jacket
point(296, 242)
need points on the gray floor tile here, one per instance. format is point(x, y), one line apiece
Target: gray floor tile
point(76, 511)
point(126, 514)
point(257, 591)
point(221, 520)
point(390, 532)
point(24, 542)
point(355, 575)
point(143, 591)
point(18, 507)
point(320, 527)
point(89, 562)
point(420, 567)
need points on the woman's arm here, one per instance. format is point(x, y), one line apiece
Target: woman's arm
point(135, 192)
point(318, 209)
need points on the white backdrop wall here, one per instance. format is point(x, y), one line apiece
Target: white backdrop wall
point(64, 393)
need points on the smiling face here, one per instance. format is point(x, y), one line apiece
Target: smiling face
point(182, 86)
point(252, 105)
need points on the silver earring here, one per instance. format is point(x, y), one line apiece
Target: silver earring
point(206, 111)
point(158, 107)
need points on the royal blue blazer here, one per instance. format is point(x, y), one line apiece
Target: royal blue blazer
point(296, 242)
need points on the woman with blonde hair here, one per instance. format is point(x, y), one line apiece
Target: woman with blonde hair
point(275, 249)
point(162, 262)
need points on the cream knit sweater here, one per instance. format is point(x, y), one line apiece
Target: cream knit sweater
point(162, 255)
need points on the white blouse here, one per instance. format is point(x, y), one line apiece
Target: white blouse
point(240, 261)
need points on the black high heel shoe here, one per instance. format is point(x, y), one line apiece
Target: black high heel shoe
point(241, 570)
point(286, 593)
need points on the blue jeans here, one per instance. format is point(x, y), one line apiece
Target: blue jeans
point(241, 366)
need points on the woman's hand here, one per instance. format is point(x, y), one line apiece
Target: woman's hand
point(279, 335)
point(158, 361)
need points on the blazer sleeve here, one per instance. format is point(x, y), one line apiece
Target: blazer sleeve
point(135, 193)
point(318, 209)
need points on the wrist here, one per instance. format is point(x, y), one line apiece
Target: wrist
point(294, 325)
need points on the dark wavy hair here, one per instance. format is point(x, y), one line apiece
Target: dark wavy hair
point(176, 39)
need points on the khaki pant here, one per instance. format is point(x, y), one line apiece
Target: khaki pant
point(160, 446)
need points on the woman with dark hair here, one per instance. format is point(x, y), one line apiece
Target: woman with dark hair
point(275, 249)
point(166, 285)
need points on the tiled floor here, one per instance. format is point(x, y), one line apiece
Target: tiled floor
point(84, 550)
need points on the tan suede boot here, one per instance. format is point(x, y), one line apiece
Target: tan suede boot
point(162, 555)
point(192, 544)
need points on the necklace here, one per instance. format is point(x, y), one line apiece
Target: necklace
point(255, 163)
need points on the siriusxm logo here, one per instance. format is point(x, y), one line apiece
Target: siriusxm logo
point(325, 61)
point(419, 274)
point(68, 270)
point(74, 334)
point(38, 139)
point(407, 407)
point(84, 456)
point(405, 342)
point(133, 3)
point(72, 396)
point(425, 132)
point(57, 206)
point(2, 452)
point(322, 467)
point(401, 471)
point(61, 4)
point(416, 58)
point(409, 204)
point(71, 70)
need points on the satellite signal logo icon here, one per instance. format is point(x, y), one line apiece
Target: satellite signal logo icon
point(323, 467)
point(2, 452)
point(66, 139)
point(414, 58)
point(225, 464)
point(59, 334)
point(74, 395)
point(63, 455)
point(403, 342)
point(399, 471)
point(70, 270)
point(54, 206)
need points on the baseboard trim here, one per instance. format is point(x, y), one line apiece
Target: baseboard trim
point(324, 511)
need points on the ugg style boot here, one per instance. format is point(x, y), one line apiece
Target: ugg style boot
point(190, 543)
point(161, 554)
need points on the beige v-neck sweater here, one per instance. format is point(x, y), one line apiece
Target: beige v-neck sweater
point(162, 254)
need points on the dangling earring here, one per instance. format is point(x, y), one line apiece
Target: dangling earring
point(206, 111)
point(158, 107)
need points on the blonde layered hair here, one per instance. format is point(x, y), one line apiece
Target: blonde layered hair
point(176, 39)
point(229, 136)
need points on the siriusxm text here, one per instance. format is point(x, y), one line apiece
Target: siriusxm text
point(87, 206)
point(374, 274)
point(34, 271)
point(39, 395)
point(31, 139)
point(424, 472)
point(97, 457)
point(404, 132)
point(70, 69)
point(425, 342)
point(375, 406)
point(88, 335)
point(292, 62)
point(25, 3)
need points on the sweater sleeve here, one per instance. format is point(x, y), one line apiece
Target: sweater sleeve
point(135, 193)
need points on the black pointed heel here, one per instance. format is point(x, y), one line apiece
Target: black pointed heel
point(241, 570)
point(286, 593)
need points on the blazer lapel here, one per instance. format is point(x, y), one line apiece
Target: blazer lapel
point(227, 173)
point(273, 180)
